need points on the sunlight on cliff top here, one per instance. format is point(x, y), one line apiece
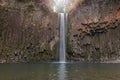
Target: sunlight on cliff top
point(63, 6)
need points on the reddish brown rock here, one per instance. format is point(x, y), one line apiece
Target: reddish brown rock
point(95, 26)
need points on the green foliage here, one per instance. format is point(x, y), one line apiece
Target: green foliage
point(4, 8)
point(29, 5)
point(112, 1)
point(44, 56)
point(69, 47)
point(6, 51)
point(98, 55)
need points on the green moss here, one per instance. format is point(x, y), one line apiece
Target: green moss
point(69, 56)
point(6, 51)
point(69, 46)
point(5, 8)
point(45, 56)
point(98, 55)
point(112, 1)
point(30, 5)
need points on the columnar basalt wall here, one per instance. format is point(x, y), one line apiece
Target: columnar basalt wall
point(95, 26)
point(28, 31)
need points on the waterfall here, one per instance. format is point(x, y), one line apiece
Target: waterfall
point(62, 45)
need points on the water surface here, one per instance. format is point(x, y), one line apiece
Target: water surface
point(56, 71)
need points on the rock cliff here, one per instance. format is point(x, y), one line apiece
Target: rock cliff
point(28, 31)
point(95, 31)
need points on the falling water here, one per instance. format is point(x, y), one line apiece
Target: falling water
point(62, 48)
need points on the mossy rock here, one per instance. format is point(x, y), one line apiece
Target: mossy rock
point(30, 6)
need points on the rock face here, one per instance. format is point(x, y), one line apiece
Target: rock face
point(28, 31)
point(95, 31)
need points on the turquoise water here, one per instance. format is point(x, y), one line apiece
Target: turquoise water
point(56, 71)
